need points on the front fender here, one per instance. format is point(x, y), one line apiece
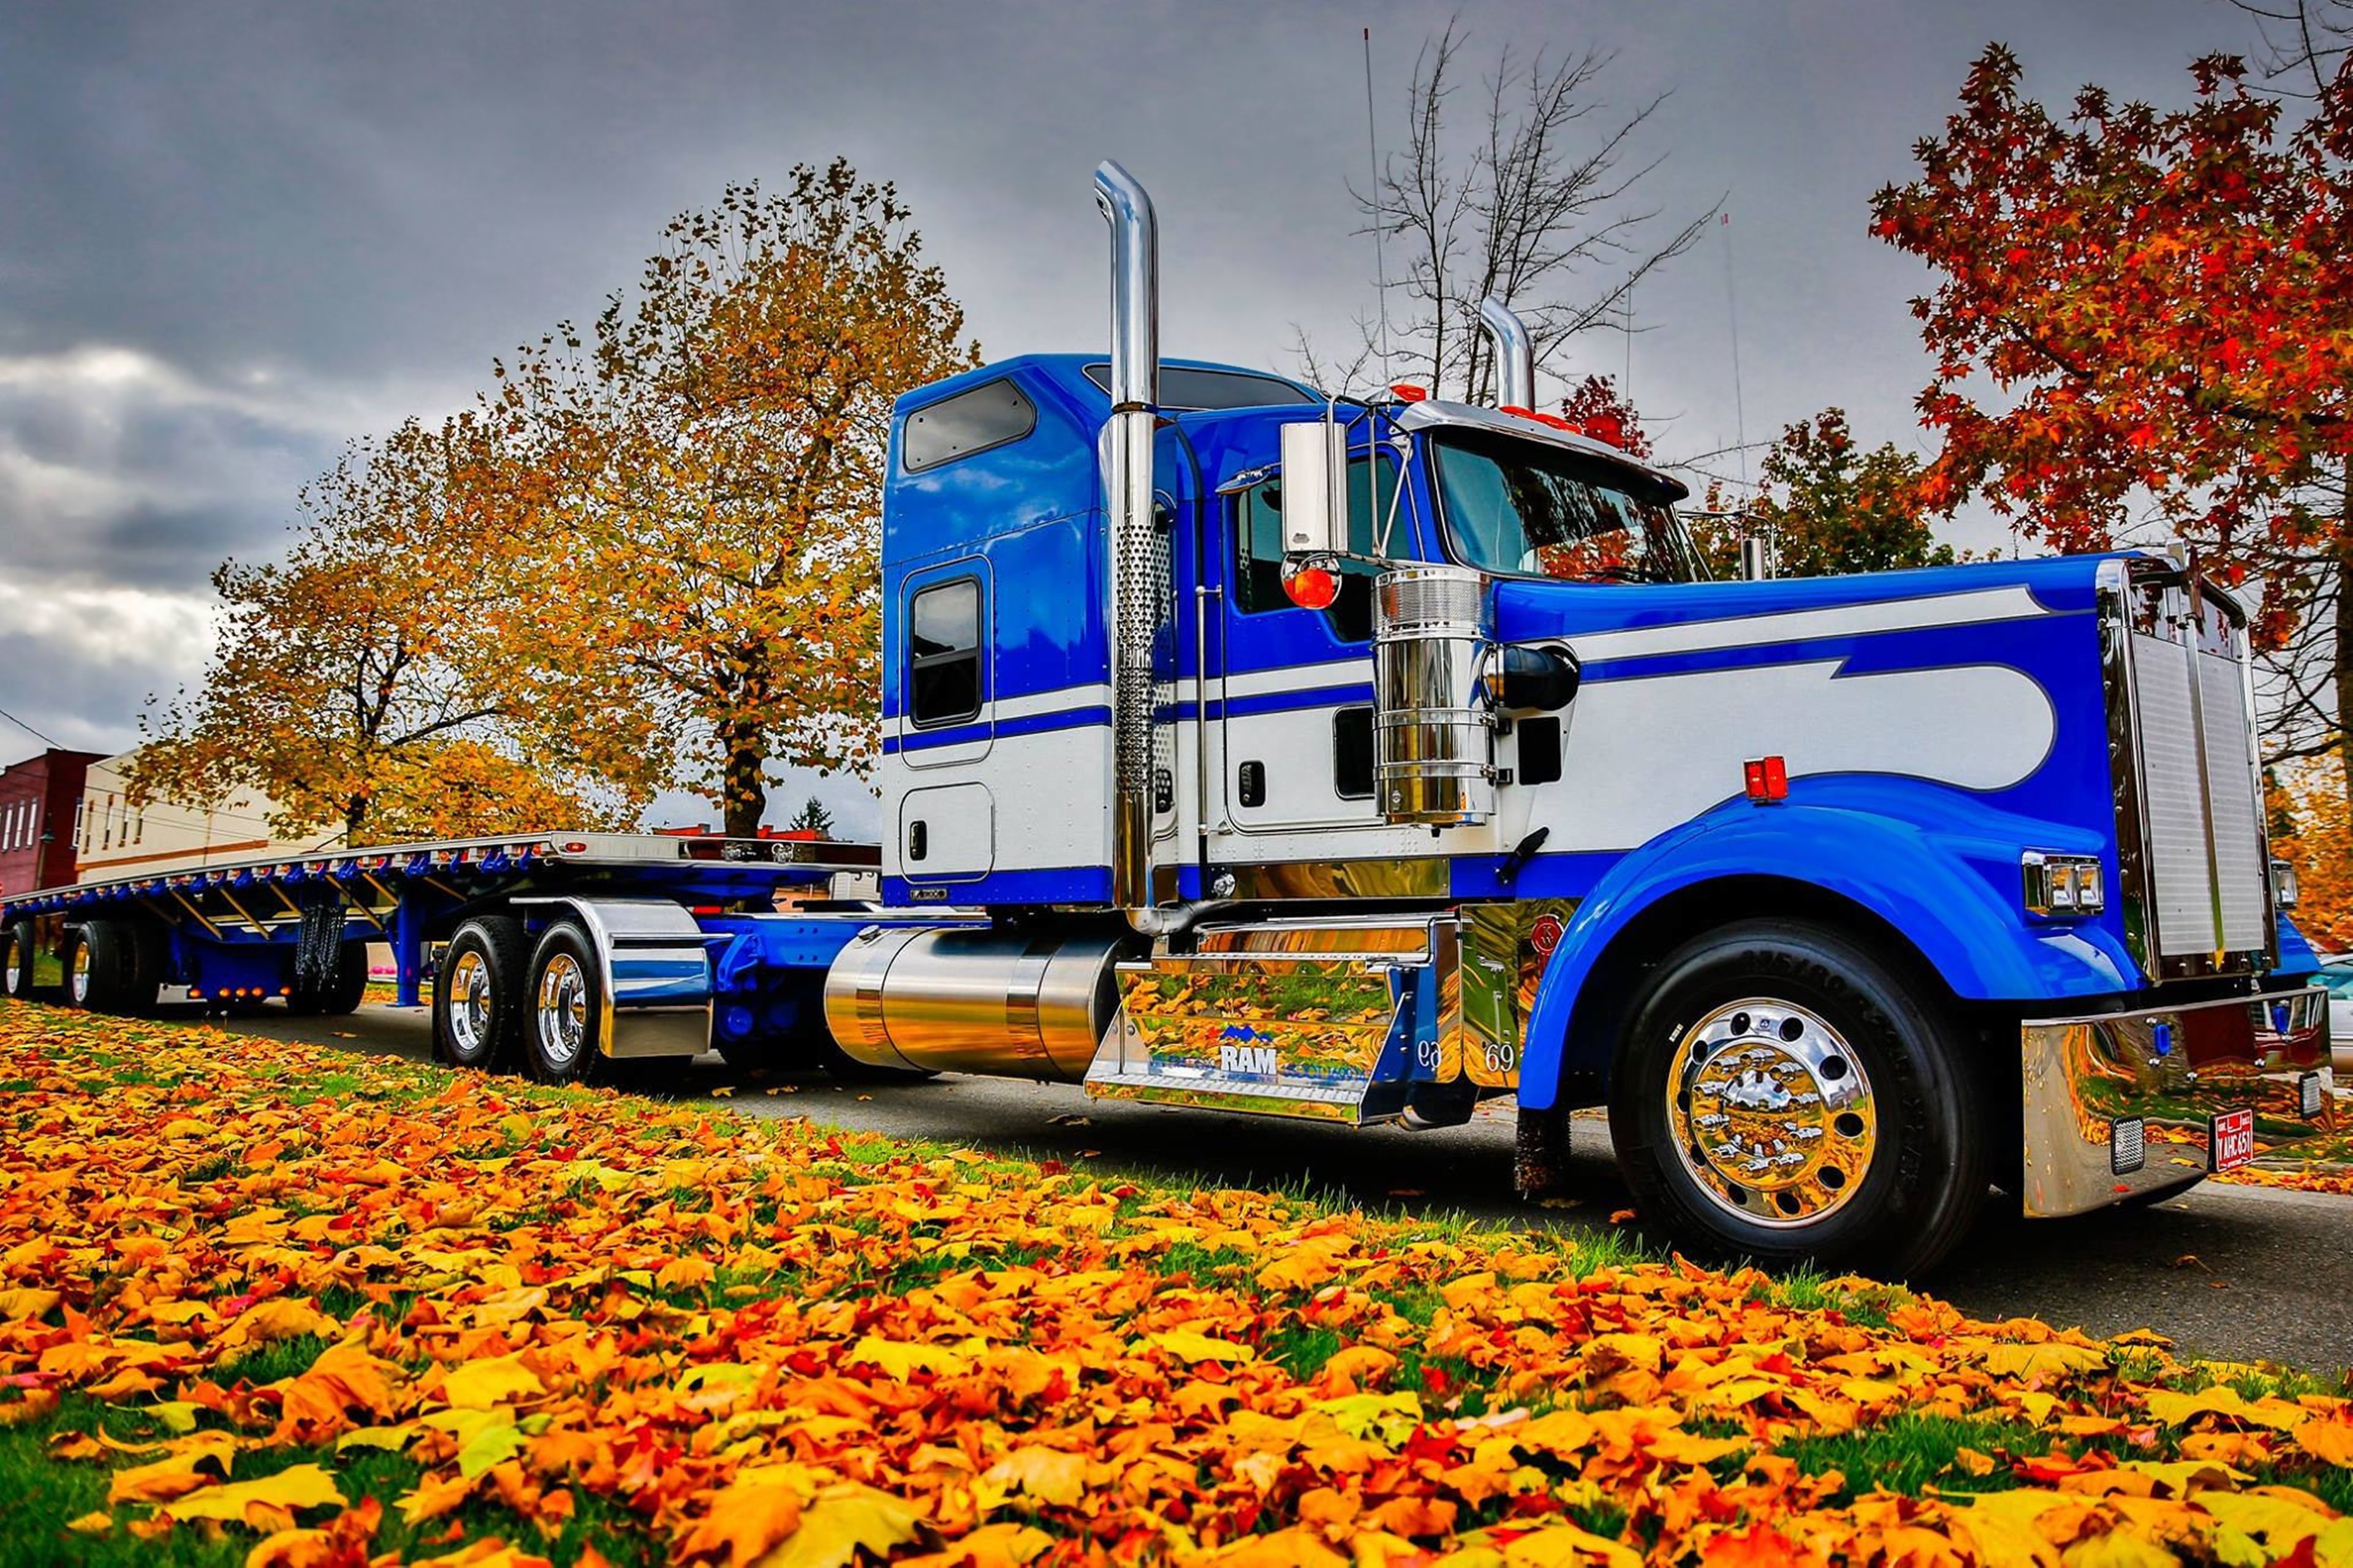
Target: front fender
point(1950, 888)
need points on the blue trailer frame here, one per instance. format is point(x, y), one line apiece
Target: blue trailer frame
point(229, 933)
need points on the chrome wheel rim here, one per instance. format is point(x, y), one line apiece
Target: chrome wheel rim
point(1771, 1112)
point(470, 1005)
point(78, 981)
point(13, 976)
point(562, 1013)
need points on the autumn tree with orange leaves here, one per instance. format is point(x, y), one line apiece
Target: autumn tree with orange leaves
point(713, 453)
point(364, 682)
point(2143, 317)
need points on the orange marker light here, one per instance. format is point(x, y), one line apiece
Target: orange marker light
point(1311, 587)
point(1406, 392)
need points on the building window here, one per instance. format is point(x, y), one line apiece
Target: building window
point(943, 675)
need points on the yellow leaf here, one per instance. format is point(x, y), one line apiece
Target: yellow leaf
point(25, 1303)
point(96, 1522)
point(480, 1385)
point(899, 1358)
point(744, 1519)
point(1049, 1475)
point(1193, 1346)
point(295, 1488)
point(2052, 1358)
point(1391, 1417)
point(492, 1443)
point(1568, 1546)
point(2326, 1439)
point(2001, 1527)
point(839, 1522)
point(2262, 1527)
point(390, 1439)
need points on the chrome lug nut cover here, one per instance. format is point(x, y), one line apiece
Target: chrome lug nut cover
point(1771, 1112)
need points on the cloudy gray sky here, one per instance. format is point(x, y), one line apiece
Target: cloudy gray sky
point(232, 236)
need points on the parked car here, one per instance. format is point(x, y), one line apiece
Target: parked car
point(2337, 978)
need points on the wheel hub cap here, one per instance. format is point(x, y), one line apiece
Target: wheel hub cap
point(1771, 1112)
point(562, 1013)
point(469, 1002)
point(80, 981)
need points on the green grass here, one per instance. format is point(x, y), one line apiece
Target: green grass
point(1911, 1452)
point(40, 1495)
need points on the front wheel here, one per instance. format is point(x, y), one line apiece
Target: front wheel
point(1782, 1095)
point(563, 1035)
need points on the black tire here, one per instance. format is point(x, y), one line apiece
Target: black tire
point(115, 970)
point(563, 1009)
point(478, 994)
point(24, 945)
point(151, 965)
point(1895, 1162)
point(79, 965)
point(343, 992)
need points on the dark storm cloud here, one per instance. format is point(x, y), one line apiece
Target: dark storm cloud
point(233, 235)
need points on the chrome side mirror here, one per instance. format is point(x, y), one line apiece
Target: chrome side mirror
point(1314, 489)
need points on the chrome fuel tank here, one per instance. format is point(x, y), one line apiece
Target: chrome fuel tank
point(1007, 1004)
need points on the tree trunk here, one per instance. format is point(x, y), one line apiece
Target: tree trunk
point(354, 813)
point(2344, 642)
point(746, 796)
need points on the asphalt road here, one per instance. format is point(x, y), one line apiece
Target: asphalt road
point(2243, 1273)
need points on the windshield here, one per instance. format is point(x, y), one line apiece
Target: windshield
point(1523, 509)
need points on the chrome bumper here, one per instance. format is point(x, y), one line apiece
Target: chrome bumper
point(2124, 1103)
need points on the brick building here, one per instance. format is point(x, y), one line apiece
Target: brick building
point(38, 799)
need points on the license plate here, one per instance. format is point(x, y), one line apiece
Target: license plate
point(2231, 1137)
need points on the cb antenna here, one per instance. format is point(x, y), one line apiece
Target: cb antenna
point(1380, 268)
point(1732, 309)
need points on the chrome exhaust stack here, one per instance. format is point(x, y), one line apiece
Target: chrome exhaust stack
point(1515, 354)
point(1137, 578)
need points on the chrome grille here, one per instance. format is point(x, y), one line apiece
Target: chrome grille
point(2242, 862)
point(2196, 861)
point(2183, 890)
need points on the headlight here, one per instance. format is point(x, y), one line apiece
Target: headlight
point(2284, 883)
point(2061, 886)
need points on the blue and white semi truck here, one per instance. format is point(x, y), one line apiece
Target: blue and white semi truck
point(1250, 750)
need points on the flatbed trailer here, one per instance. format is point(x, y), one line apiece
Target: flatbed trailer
point(680, 945)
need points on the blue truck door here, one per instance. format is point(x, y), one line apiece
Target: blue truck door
point(1293, 698)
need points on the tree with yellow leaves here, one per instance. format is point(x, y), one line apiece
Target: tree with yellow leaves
point(366, 683)
point(713, 463)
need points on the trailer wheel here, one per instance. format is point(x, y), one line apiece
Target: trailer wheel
point(80, 966)
point(563, 1009)
point(1781, 1095)
point(343, 992)
point(108, 967)
point(479, 995)
point(23, 945)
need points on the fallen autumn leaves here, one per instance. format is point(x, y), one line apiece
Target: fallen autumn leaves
point(268, 1303)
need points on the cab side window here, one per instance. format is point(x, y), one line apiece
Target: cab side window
point(945, 680)
point(1257, 535)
